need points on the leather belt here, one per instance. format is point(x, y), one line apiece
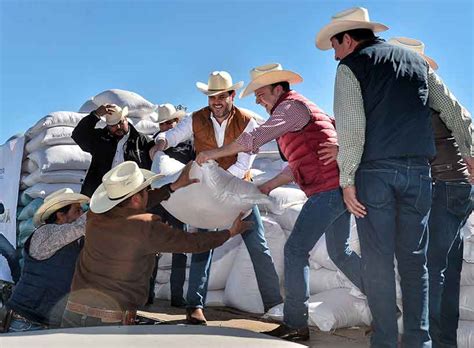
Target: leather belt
point(106, 315)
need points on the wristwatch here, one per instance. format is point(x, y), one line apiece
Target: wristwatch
point(168, 188)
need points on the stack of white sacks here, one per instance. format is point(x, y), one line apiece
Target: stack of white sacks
point(466, 298)
point(52, 160)
point(334, 301)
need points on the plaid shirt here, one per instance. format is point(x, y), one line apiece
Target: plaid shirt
point(350, 119)
point(49, 238)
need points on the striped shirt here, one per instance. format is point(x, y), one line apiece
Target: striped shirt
point(288, 116)
point(350, 119)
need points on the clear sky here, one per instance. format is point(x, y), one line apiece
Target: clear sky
point(55, 54)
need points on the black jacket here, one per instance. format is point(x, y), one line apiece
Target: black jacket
point(102, 146)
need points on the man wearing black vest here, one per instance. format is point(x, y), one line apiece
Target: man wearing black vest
point(382, 101)
point(450, 209)
point(50, 254)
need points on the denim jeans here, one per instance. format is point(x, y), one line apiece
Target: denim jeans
point(451, 206)
point(343, 257)
point(397, 196)
point(178, 261)
point(267, 278)
point(321, 213)
point(13, 257)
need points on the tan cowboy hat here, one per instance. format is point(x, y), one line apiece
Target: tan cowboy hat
point(353, 18)
point(168, 112)
point(268, 74)
point(120, 183)
point(414, 45)
point(219, 82)
point(55, 201)
point(117, 115)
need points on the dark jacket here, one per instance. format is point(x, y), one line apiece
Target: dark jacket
point(42, 291)
point(102, 146)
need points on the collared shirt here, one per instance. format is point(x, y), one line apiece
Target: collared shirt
point(49, 238)
point(350, 119)
point(184, 131)
point(119, 152)
point(288, 116)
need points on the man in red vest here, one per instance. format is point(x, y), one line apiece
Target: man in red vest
point(302, 130)
point(219, 123)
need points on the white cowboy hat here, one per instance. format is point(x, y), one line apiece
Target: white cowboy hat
point(414, 45)
point(353, 18)
point(55, 201)
point(117, 115)
point(168, 112)
point(120, 183)
point(219, 82)
point(268, 74)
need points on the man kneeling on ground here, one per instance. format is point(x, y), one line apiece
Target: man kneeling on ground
point(112, 275)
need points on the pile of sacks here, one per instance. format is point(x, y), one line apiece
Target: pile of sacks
point(52, 160)
point(466, 298)
point(141, 113)
point(334, 301)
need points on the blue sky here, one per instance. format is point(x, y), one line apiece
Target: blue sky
point(55, 54)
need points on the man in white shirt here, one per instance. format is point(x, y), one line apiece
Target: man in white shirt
point(213, 126)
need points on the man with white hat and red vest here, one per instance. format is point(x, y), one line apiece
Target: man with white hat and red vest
point(382, 100)
point(219, 123)
point(50, 256)
point(452, 203)
point(301, 129)
point(111, 280)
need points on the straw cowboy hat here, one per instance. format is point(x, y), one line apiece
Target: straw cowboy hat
point(117, 115)
point(353, 18)
point(414, 45)
point(120, 183)
point(268, 74)
point(219, 82)
point(167, 112)
point(55, 201)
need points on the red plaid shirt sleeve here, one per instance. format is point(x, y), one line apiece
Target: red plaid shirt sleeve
point(289, 116)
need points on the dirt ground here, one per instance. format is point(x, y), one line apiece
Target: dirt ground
point(223, 316)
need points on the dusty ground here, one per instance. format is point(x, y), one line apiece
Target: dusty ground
point(229, 317)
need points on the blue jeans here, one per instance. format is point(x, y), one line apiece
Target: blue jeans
point(451, 206)
point(397, 196)
point(322, 213)
point(13, 257)
point(343, 257)
point(267, 278)
point(178, 263)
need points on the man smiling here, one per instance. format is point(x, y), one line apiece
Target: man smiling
point(215, 125)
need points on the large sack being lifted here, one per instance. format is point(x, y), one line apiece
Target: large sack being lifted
point(215, 201)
